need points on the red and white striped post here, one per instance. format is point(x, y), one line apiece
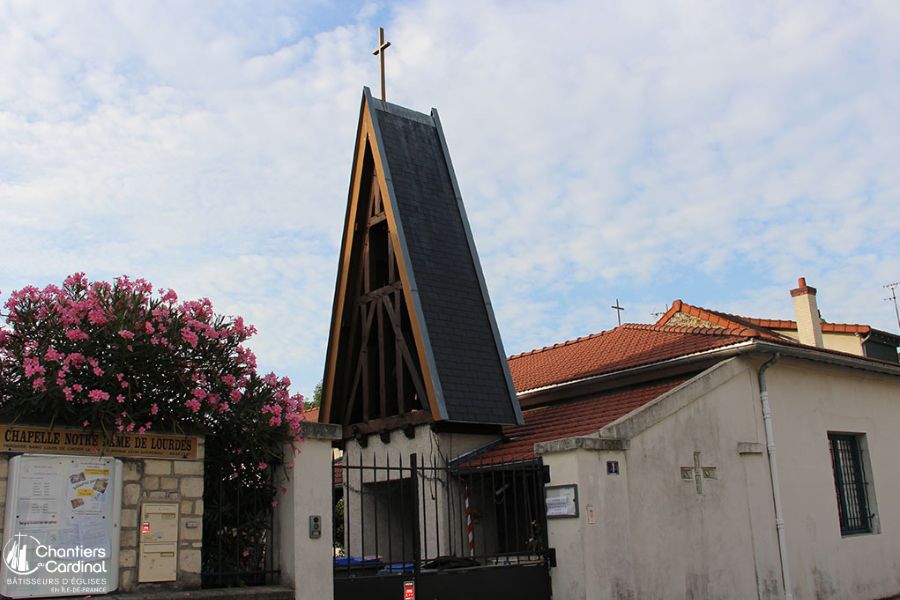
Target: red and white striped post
point(470, 528)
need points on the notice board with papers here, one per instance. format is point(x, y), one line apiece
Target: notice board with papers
point(61, 531)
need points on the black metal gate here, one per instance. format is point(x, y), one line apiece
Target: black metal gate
point(238, 526)
point(453, 532)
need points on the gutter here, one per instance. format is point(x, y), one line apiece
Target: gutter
point(773, 474)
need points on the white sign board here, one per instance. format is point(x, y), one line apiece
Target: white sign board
point(61, 532)
point(561, 500)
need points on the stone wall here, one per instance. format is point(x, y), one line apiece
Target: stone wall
point(155, 480)
point(152, 480)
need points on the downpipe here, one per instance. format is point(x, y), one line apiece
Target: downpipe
point(773, 473)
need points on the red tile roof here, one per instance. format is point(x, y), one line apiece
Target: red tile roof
point(624, 347)
point(566, 419)
point(764, 325)
point(311, 414)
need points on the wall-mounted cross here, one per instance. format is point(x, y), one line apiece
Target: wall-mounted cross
point(618, 310)
point(379, 52)
point(698, 473)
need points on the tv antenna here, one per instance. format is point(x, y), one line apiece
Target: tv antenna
point(893, 287)
point(657, 315)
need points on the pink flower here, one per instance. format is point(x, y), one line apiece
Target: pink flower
point(263, 466)
point(154, 408)
point(86, 423)
point(245, 553)
point(193, 404)
point(190, 337)
point(96, 317)
point(53, 355)
point(97, 395)
point(32, 367)
point(125, 334)
point(76, 335)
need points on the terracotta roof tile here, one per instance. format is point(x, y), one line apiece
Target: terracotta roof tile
point(764, 325)
point(566, 419)
point(624, 347)
point(311, 414)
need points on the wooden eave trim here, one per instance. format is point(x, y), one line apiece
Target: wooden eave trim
point(337, 309)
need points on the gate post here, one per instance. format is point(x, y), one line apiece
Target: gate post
point(306, 561)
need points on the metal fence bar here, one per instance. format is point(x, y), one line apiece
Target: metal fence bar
point(404, 499)
point(417, 550)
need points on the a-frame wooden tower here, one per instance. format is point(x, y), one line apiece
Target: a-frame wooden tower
point(413, 337)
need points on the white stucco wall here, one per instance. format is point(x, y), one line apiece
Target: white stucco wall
point(717, 544)
point(808, 401)
point(656, 537)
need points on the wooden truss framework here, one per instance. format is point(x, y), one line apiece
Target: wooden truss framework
point(379, 372)
point(386, 377)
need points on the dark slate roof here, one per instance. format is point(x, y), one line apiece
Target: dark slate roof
point(463, 342)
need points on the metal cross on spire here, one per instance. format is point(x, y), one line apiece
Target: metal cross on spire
point(379, 52)
point(618, 310)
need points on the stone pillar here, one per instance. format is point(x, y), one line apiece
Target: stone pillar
point(307, 564)
point(593, 550)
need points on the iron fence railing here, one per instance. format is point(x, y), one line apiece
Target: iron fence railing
point(402, 516)
point(239, 545)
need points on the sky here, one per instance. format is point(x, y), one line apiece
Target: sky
point(639, 151)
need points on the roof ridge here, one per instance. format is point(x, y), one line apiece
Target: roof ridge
point(735, 331)
point(723, 331)
point(560, 344)
point(771, 324)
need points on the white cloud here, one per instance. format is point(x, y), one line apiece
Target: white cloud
point(645, 151)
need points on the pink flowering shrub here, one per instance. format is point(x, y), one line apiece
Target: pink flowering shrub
point(116, 357)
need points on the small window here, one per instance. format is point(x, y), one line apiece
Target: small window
point(850, 482)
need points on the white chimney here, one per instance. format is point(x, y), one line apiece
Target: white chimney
point(806, 312)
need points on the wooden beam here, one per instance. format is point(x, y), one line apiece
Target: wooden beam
point(381, 292)
point(382, 376)
point(419, 417)
point(404, 351)
point(398, 353)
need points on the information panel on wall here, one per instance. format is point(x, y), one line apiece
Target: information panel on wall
point(61, 532)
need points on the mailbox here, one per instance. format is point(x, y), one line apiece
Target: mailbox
point(159, 542)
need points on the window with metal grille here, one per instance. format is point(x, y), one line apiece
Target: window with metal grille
point(850, 483)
